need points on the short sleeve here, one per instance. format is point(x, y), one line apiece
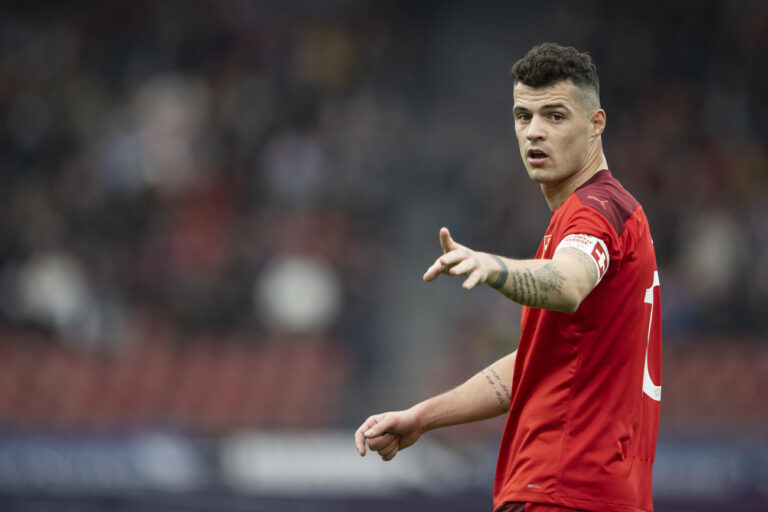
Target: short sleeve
point(581, 219)
point(592, 246)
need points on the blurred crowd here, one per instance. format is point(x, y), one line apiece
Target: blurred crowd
point(266, 174)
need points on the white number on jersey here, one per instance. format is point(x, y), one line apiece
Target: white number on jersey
point(649, 388)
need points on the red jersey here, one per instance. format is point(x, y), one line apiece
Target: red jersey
point(586, 391)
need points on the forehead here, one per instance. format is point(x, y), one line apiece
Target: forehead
point(564, 92)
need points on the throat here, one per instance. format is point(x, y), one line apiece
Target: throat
point(556, 193)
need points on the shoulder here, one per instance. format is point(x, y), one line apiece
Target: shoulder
point(605, 196)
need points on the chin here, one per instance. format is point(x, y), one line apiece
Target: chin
point(540, 175)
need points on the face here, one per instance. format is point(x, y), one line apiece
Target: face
point(558, 134)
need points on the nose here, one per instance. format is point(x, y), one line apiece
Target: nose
point(535, 129)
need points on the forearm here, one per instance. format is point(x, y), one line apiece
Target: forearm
point(535, 283)
point(557, 284)
point(483, 396)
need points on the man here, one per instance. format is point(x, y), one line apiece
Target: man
point(583, 388)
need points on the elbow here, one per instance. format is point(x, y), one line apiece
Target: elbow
point(569, 307)
point(571, 300)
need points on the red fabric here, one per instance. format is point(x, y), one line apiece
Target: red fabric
point(581, 431)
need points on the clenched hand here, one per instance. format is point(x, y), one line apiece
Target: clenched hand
point(388, 433)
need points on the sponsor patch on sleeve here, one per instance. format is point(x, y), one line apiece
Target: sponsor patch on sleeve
point(591, 245)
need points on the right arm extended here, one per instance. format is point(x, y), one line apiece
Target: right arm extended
point(485, 395)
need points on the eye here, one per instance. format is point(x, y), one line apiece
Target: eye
point(522, 116)
point(556, 116)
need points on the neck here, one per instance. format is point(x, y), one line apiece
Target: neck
point(557, 193)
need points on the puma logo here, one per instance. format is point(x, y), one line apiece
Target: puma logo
point(602, 202)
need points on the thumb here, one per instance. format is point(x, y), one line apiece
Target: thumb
point(382, 427)
point(446, 242)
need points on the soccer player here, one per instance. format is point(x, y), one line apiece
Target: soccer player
point(583, 390)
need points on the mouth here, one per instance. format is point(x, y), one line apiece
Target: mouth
point(536, 156)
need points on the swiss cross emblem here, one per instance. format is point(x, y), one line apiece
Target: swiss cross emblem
point(600, 258)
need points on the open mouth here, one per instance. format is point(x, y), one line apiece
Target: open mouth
point(536, 156)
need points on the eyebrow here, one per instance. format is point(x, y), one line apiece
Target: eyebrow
point(548, 106)
point(555, 105)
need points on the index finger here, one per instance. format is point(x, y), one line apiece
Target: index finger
point(359, 434)
point(433, 271)
point(360, 441)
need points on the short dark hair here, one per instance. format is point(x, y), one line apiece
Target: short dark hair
point(550, 63)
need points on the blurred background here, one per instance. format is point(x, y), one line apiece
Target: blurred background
point(215, 216)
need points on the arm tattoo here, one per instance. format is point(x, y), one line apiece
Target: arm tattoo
point(498, 379)
point(534, 292)
point(532, 289)
point(550, 278)
point(504, 404)
point(502, 279)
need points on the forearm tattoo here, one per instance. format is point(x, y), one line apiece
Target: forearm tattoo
point(502, 275)
point(498, 388)
point(533, 289)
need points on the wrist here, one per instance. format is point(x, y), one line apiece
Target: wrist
point(498, 275)
point(421, 414)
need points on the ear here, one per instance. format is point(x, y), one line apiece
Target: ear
point(597, 122)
